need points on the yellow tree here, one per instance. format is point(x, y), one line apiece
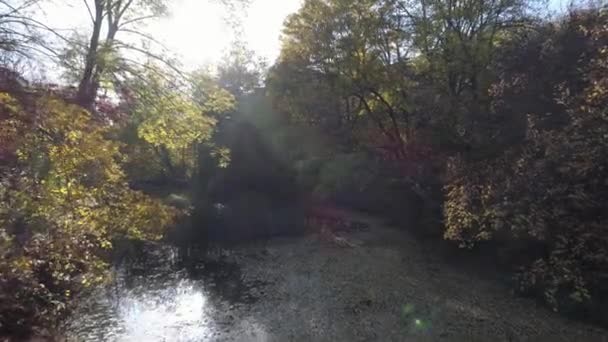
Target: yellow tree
point(65, 199)
point(174, 120)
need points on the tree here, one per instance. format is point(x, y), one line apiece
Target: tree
point(459, 38)
point(106, 55)
point(359, 51)
point(112, 17)
point(172, 120)
point(457, 44)
point(65, 199)
point(241, 72)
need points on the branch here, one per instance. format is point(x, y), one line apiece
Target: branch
point(32, 22)
point(131, 21)
point(392, 115)
point(151, 55)
point(150, 68)
point(146, 36)
point(89, 10)
point(371, 114)
point(174, 86)
point(14, 10)
point(123, 10)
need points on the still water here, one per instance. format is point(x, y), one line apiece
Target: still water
point(158, 298)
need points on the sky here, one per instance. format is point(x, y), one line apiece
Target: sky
point(197, 30)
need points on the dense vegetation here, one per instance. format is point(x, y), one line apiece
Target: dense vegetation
point(75, 159)
point(480, 114)
point(477, 122)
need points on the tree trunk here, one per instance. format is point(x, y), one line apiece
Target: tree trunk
point(87, 90)
point(94, 68)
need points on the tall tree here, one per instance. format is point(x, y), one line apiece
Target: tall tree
point(106, 53)
point(241, 71)
point(460, 38)
point(457, 42)
point(359, 49)
point(112, 17)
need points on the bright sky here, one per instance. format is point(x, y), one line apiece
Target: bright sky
point(197, 30)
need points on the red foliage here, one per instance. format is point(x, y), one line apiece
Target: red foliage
point(412, 159)
point(321, 215)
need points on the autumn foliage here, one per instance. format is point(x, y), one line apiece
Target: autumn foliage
point(486, 120)
point(549, 191)
point(64, 199)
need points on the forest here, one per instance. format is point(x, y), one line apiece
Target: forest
point(478, 127)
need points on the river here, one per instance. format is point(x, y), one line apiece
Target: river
point(388, 287)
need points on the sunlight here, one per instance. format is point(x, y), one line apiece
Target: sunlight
point(179, 311)
point(302, 170)
point(197, 29)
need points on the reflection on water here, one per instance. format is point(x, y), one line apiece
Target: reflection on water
point(151, 299)
point(166, 315)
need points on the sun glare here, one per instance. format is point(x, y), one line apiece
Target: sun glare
point(197, 30)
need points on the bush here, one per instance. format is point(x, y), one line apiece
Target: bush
point(363, 182)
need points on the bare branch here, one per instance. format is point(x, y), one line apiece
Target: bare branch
point(134, 20)
point(145, 36)
point(14, 10)
point(152, 55)
point(36, 23)
point(89, 10)
point(122, 11)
